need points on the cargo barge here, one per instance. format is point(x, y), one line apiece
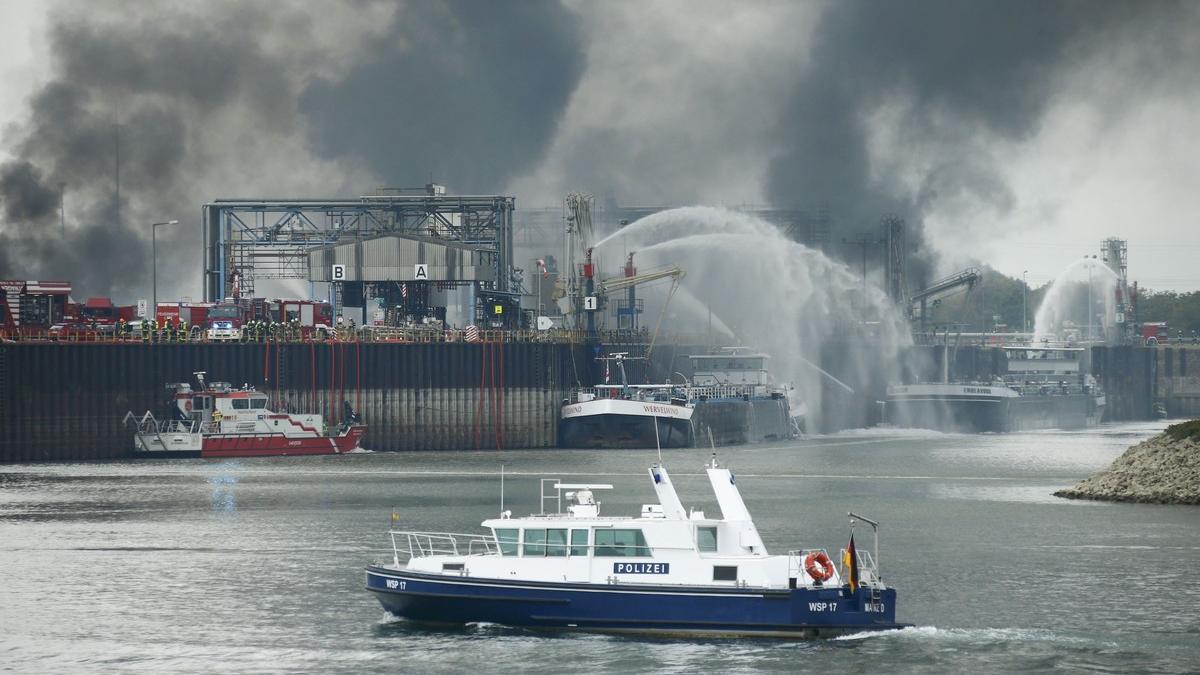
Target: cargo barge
point(730, 399)
point(1042, 388)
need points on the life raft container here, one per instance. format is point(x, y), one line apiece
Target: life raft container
point(818, 565)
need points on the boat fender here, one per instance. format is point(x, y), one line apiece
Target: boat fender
point(818, 565)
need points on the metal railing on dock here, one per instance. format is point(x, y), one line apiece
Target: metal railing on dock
point(381, 334)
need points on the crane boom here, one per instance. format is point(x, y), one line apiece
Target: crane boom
point(621, 283)
point(942, 288)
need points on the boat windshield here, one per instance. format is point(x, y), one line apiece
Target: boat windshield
point(507, 539)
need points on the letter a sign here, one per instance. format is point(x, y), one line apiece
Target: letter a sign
point(338, 273)
point(421, 272)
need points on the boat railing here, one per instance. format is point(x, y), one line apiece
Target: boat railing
point(868, 571)
point(665, 392)
point(147, 425)
point(423, 544)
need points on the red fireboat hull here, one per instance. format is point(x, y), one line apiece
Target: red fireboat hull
point(275, 445)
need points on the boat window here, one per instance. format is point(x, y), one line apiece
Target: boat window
point(621, 543)
point(579, 542)
point(556, 542)
point(241, 404)
point(535, 542)
point(706, 539)
point(724, 573)
point(258, 403)
point(508, 541)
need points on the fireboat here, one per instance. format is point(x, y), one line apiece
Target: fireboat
point(218, 420)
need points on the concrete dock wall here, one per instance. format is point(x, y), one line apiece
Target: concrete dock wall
point(1178, 385)
point(1128, 375)
point(67, 401)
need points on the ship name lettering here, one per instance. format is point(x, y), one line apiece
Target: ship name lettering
point(977, 390)
point(822, 606)
point(873, 607)
point(396, 584)
point(641, 568)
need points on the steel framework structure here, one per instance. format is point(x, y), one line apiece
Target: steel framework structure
point(270, 238)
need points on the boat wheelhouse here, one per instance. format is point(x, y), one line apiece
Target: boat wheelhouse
point(668, 571)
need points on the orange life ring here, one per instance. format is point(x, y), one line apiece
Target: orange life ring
point(187, 405)
point(818, 565)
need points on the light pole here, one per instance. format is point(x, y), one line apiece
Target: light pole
point(62, 211)
point(154, 255)
point(1024, 300)
point(1089, 317)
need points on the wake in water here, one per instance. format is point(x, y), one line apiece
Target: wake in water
point(776, 295)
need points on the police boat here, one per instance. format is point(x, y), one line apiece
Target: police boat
point(670, 571)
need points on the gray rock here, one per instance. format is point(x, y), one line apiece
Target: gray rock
point(1161, 470)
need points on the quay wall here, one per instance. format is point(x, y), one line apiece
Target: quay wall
point(63, 401)
point(66, 401)
point(1178, 384)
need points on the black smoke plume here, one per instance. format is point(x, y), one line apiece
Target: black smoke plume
point(221, 99)
point(467, 93)
point(955, 71)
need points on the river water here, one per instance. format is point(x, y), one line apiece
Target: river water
point(256, 565)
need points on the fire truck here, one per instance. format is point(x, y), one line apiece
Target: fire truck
point(314, 316)
point(174, 314)
point(96, 315)
point(226, 320)
point(1155, 333)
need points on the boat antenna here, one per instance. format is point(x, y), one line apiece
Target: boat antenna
point(711, 443)
point(501, 490)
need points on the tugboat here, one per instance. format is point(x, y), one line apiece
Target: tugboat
point(669, 572)
point(217, 420)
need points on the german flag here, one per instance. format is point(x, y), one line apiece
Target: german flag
point(850, 562)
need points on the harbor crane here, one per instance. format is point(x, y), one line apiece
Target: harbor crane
point(617, 284)
point(943, 288)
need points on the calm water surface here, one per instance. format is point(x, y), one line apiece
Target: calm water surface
point(256, 565)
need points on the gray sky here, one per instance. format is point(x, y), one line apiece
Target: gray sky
point(1017, 134)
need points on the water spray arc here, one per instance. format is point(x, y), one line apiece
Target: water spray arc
point(1058, 316)
point(789, 300)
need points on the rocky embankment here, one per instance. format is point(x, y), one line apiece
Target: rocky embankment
point(1162, 470)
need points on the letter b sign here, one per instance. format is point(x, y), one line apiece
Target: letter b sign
point(338, 274)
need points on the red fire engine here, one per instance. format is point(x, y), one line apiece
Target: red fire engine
point(1155, 333)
